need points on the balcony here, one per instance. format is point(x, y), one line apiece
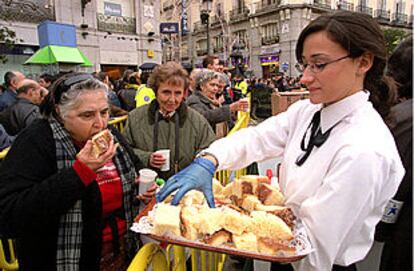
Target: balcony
point(25, 11)
point(216, 20)
point(399, 18)
point(202, 52)
point(116, 24)
point(219, 49)
point(199, 27)
point(321, 5)
point(238, 14)
point(382, 15)
point(270, 40)
point(343, 5)
point(265, 6)
point(364, 9)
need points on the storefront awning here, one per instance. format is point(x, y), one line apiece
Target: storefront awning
point(269, 60)
point(276, 63)
point(53, 54)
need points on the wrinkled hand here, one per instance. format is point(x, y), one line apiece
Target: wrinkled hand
point(147, 196)
point(87, 157)
point(156, 160)
point(240, 105)
point(198, 175)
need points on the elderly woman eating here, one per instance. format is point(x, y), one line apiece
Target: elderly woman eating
point(168, 123)
point(68, 206)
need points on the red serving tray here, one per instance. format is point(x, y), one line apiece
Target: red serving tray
point(220, 249)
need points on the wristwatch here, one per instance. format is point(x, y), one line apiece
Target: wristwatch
point(204, 153)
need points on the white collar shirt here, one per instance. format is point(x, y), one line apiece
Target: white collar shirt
point(341, 190)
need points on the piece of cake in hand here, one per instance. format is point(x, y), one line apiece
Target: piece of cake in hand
point(167, 220)
point(245, 241)
point(269, 195)
point(100, 142)
point(268, 225)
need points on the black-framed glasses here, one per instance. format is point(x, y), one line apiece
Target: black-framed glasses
point(66, 84)
point(317, 67)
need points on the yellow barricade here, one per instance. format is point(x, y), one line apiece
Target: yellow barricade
point(242, 122)
point(119, 123)
point(150, 253)
point(3, 153)
point(12, 263)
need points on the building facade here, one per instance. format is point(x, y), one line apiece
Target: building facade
point(267, 29)
point(113, 35)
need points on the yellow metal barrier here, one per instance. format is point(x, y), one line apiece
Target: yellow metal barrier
point(242, 122)
point(119, 122)
point(3, 153)
point(150, 253)
point(11, 264)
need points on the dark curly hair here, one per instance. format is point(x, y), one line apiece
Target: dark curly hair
point(400, 67)
point(358, 33)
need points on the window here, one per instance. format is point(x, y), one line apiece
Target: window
point(241, 36)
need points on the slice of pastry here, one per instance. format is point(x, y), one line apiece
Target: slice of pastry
point(190, 222)
point(269, 195)
point(246, 241)
point(210, 220)
point(274, 247)
point(218, 238)
point(250, 202)
point(167, 220)
point(271, 226)
point(234, 221)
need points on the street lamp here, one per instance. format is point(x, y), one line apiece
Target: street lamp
point(205, 19)
point(237, 57)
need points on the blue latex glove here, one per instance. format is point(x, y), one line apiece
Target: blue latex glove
point(198, 175)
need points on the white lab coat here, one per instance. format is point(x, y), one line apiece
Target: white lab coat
point(341, 190)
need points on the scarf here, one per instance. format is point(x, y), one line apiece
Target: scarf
point(69, 240)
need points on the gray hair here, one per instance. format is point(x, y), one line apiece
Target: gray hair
point(71, 98)
point(205, 76)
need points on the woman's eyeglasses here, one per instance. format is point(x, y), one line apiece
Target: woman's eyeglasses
point(317, 67)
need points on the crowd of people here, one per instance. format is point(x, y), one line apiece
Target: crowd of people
point(355, 131)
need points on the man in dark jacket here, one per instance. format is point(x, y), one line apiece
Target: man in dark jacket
point(11, 80)
point(396, 227)
point(26, 108)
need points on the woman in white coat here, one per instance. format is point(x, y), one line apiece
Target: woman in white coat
point(340, 163)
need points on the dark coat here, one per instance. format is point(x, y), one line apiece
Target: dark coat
point(7, 98)
point(398, 246)
point(19, 115)
point(204, 106)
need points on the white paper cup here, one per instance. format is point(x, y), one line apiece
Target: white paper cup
point(146, 179)
point(166, 154)
point(248, 101)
